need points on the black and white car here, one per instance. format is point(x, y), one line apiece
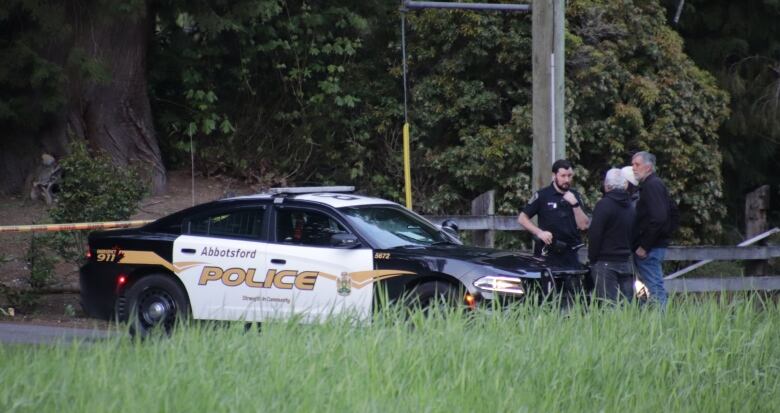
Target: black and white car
point(309, 252)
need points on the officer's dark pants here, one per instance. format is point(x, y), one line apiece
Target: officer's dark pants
point(613, 280)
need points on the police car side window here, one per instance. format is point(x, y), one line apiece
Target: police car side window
point(305, 227)
point(244, 223)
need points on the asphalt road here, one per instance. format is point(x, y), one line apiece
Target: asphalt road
point(11, 333)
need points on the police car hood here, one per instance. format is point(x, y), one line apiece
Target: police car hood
point(510, 261)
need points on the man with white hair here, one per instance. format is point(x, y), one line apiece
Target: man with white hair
point(609, 236)
point(653, 225)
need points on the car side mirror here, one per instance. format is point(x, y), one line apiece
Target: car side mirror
point(450, 227)
point(343, 240)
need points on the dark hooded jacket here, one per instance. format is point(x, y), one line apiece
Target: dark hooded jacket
point(611, 227)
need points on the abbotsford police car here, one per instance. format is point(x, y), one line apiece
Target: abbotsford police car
point(306, 252)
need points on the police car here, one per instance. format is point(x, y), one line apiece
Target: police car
point(304, 252)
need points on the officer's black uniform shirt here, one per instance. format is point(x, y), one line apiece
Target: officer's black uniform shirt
point(555, 215)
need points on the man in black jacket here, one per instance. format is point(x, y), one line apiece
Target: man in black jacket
point(609, 236)
point(652, 225)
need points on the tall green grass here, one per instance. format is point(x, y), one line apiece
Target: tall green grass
point(702, 355)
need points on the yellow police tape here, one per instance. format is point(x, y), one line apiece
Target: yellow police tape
point(73, 227)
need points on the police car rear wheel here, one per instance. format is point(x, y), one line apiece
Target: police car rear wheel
point(156, 301)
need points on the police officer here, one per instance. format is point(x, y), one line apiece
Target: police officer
point(560, 210)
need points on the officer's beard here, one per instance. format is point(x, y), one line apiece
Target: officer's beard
point(563, 187)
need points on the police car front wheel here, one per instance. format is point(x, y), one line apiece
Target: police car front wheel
point(432, 294)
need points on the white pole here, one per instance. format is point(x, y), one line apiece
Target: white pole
point(192, 169)
point(552, 108)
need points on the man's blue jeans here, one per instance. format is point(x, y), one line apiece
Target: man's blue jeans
point(652, 274)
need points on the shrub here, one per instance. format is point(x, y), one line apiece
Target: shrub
point(41, 265)
point(92, 189)
point(40, 262)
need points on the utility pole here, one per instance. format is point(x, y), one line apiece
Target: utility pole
point(548, 88)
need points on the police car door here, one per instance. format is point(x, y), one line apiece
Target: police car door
point(219, 257)
point(312, 277)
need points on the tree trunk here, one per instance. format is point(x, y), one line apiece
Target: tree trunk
point(103, 50)
point(113, 113)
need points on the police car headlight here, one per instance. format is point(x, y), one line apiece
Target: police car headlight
point(500, 284)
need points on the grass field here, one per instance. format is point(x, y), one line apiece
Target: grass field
point(701, 355)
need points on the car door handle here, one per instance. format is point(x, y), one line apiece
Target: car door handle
point(278, 261)
point(188, 250)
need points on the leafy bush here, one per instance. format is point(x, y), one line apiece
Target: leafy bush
point(17, 298)
point(92, 189)
point(40, 262)
point(237, 78)
point(41, 265)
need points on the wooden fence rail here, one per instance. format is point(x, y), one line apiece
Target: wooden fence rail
point(480, 222)
point(759, 252)
point(673, 253)
point(700, 285)
point(703, 254)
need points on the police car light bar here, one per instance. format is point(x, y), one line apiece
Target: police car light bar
point(310, 189)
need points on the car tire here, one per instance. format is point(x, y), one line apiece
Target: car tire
point(427, 295)
point(156, 301)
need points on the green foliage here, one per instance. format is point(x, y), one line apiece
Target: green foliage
point(284, 92)
point(629, 87)
point(41, 265)
point(30, 83)
point(277, 68)
point(40, 62)
point(471, 113)
point(16, 298)
point(739, 42)
point(36, 39)
point(92, 189)
point(636, 90)
point(291, 92)
point(40, 262)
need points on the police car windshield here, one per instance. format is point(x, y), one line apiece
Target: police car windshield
point(390, 227)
